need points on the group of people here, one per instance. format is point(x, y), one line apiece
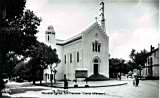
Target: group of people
point(135, 77)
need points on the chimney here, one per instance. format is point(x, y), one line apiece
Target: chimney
point(152, 48)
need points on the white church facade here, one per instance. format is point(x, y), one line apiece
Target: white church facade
point(87, 51)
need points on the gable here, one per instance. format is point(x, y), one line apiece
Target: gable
point(95, 32)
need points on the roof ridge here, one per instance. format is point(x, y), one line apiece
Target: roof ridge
point(80, 34)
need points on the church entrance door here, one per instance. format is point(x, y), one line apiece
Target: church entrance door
point(95, 69)
point(96, 65)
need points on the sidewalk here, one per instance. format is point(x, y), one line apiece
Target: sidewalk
point(13, 84)
point(91, 84)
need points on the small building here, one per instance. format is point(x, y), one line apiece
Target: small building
point(151, 69)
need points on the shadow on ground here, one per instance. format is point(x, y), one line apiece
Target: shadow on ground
point(23, 90)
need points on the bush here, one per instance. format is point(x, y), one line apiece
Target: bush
point(2, 86)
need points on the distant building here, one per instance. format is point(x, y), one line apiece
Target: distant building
point(151, 69)
point(87, 51)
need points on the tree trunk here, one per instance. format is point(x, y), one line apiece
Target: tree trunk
point(33, 78)
point(40, 82)
point(34, 82)
point(51, 78)
point(140, 74)
point(54, 78)
point(41, 76)
point(120, 71)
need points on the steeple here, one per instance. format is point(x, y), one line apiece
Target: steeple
point(102, 16)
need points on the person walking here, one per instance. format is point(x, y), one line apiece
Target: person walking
point(134, 81)
point(65, 82)
point(137, 81)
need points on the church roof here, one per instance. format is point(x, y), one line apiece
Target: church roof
point(79, 36)
point(59, 41)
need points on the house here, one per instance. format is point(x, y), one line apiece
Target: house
point(151, 69)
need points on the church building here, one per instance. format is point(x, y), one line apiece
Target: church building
point(86, 53)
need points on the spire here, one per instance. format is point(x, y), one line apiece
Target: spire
point(102, 16)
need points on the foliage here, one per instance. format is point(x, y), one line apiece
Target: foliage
point(115, 66)
point(138, 58)
point(44, 56)
point(17, 33)
point(14, 8)
point(41, 56)
point(2, 84)
point(44, 53)
point(7, 63)
point(5, 67)
point(26, 28)
point(130, 65)
point(18, 41)
point(137, 61)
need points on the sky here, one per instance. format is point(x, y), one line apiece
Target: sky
point(130, 24)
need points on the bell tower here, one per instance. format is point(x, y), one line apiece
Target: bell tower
point(50, 36)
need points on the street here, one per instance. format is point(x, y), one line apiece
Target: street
point(146, 89)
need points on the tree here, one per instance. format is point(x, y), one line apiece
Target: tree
point(20, 71)
point(1, 84)
point(25, 36)
point(18, 40)
point(9, 9)
point(7, 63)
point(116, 66)
point(17, 31)
point(22, 37)
point(41, 56)
point(138, 59)
point(27, 25)
point(130, 65)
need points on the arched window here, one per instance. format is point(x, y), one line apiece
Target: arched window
point(93, 46)
point(77, 56)
point(48, 37)
point(70, 58)
point(95, 60)
point(65, 59)
point(96, 46)
point(99, 47)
